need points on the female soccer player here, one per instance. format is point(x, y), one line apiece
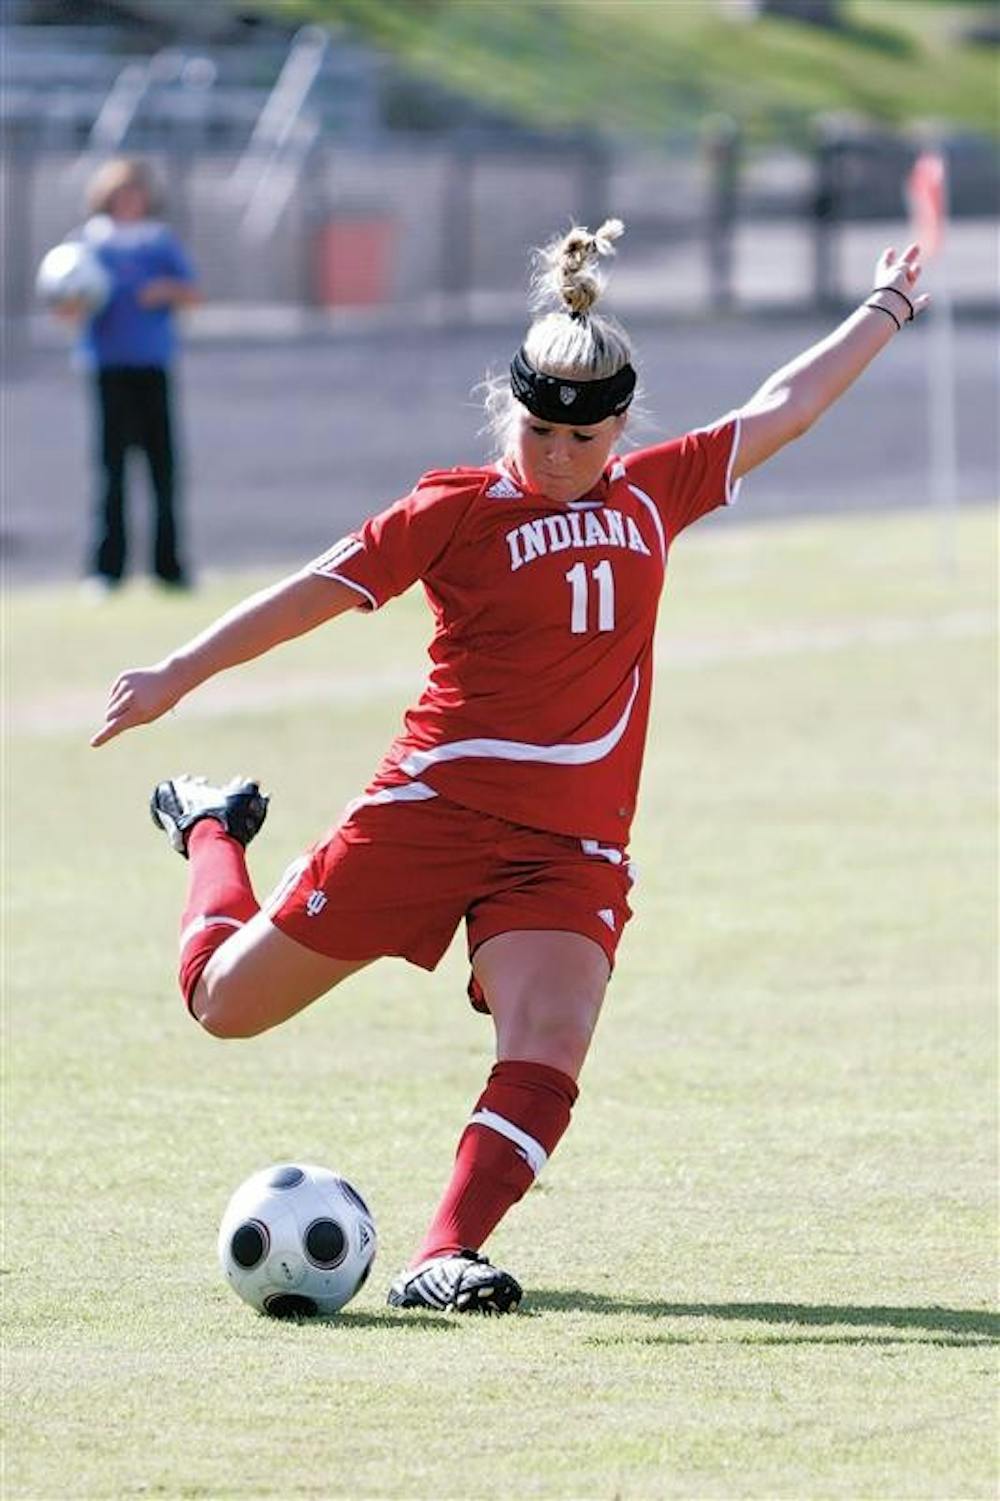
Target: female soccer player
point(507, 798)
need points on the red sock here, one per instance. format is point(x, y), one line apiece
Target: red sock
point(515, 1127)
point(220, 899)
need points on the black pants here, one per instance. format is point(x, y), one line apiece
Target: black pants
point(133, 411)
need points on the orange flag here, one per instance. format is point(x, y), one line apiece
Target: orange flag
point(927, 191)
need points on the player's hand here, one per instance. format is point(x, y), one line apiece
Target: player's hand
point(70, 310)
point(138, 696)
point(159, 292)
point(902, 272)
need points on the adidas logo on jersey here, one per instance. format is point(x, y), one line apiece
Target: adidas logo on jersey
point(504, 489)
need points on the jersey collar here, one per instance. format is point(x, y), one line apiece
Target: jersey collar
point(596, 496)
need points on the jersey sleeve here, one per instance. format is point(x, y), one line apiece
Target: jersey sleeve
point(689, 476)
point(402, 544)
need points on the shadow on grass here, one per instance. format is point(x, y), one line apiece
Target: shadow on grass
point(348, 1320)
point(963, 1325)
point(758, 1341)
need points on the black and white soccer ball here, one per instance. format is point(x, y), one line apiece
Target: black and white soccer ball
point(72, 272)
point(297, 1240)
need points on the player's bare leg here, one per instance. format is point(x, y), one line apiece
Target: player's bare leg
point(259, 977)
point(545, 991)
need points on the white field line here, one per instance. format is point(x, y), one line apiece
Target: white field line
point(80, 712)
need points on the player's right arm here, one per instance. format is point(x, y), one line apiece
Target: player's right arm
point(290, 608)
point(72, 310)
point(389, 553)
point(797, 395)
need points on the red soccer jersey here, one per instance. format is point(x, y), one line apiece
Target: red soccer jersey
point(537, 702)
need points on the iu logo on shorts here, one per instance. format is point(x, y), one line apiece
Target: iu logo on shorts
point(315, 902)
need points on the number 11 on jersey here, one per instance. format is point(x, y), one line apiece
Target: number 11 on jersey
point(580, 585)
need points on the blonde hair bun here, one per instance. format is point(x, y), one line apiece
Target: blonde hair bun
point(566, 270)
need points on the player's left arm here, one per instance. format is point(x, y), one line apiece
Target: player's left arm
point(177, 286)
point(794, 397)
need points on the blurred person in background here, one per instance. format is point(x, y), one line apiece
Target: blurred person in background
point(128, 347)
point(508, 796)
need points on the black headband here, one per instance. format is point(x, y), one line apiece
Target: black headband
point(579, 403)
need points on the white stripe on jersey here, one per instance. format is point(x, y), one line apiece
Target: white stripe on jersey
point(582, 754)
point(651, 508)
point(607, 852)
point(329, 573)
point(409, 792)
point(346, 548)
point(531, 1150)
point(327, 564)
point(732, 490)
point(289, 879)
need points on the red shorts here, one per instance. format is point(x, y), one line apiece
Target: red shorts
point(401, 870)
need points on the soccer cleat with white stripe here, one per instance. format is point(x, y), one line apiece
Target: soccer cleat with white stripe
point(463, 1282)
point(177, 805)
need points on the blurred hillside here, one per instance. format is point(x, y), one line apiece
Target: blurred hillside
point(650, 66)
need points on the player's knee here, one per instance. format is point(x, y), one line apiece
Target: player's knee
point(564, 1040)
point(218, 1024)
point(560, 1040)
point(216, 1013)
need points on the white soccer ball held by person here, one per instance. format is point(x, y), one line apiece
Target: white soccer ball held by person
point(72, 274)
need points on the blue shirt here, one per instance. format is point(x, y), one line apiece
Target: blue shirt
point(124, 332)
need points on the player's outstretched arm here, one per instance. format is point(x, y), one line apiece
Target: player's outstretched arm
point(290, 608)
point(791, 400)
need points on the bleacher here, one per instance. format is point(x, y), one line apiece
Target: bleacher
point(58, 80)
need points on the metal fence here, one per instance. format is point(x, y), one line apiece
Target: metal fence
point(406, 221)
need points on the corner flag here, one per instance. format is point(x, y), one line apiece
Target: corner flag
point(927, 191)
point(927, 196)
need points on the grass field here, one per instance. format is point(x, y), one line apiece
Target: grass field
point(762, 1263)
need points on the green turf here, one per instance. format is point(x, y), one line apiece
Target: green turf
point(650, 66)
point(762, 1262)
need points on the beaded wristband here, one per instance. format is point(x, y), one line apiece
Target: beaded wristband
point(877, 307)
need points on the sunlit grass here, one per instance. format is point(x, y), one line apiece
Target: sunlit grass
point(762, 1262)
point(653, 65)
